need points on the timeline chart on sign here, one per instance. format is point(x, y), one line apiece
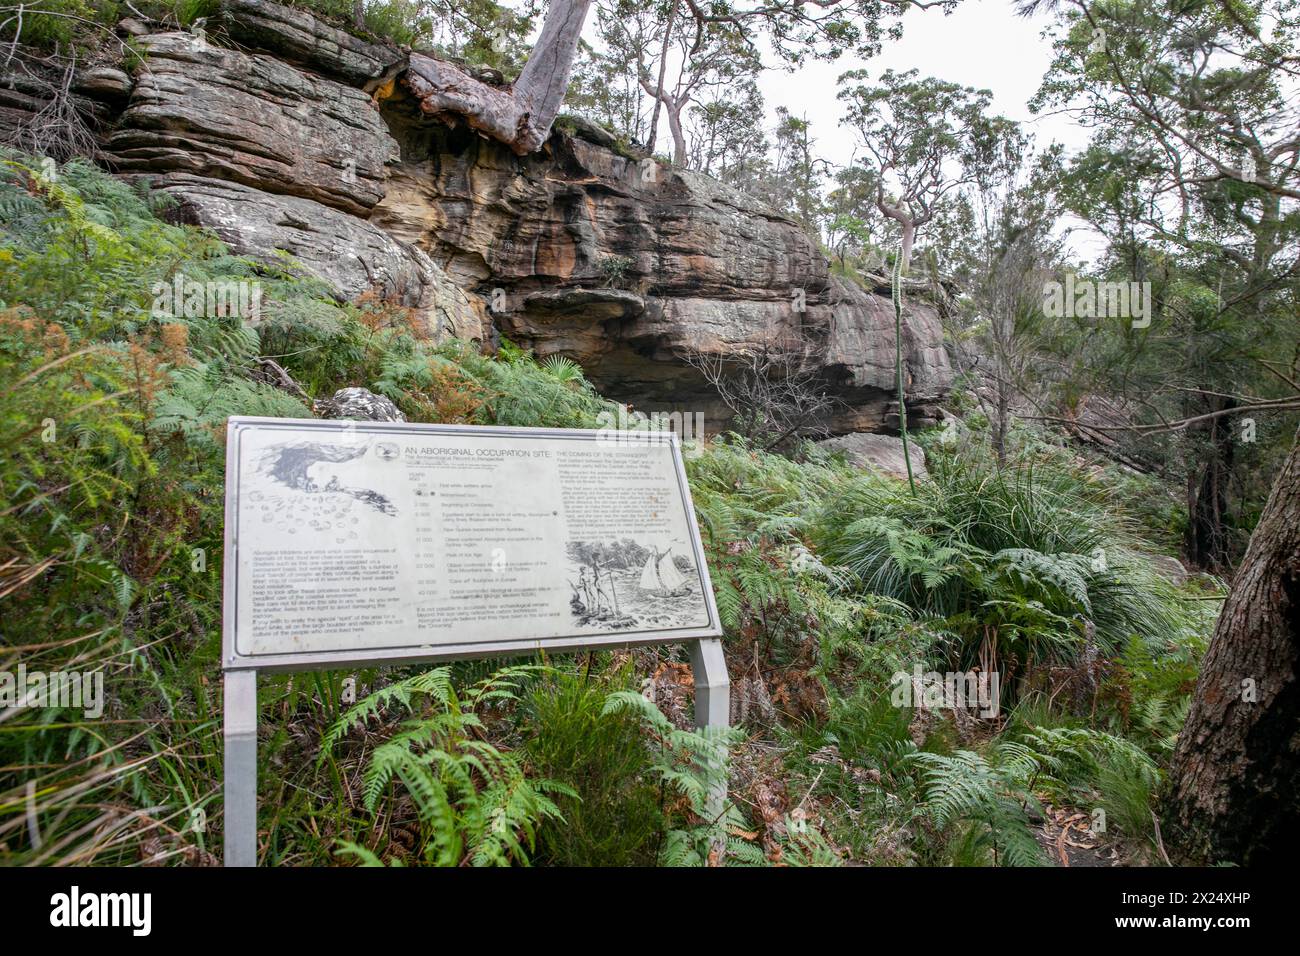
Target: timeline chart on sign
point(352, 536)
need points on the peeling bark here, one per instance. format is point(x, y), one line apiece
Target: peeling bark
point(520, 116)
point(1236, 769)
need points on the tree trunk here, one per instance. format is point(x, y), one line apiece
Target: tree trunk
point(659, 86)
point(1236, 769)
point(521, 116)
point(1207, 544)
point(675, 127)
point(909, 236)
point(1000, 426)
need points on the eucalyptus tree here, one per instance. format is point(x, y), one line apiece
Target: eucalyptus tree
point(521, 115)
point(675, 64)
point(1236, 766)
point(798, 172)
point(921, 139)
point(855, 229)
point(603, 90)
point(727, 139)
point(1005, 252)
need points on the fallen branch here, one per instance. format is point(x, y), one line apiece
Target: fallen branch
point(1279, 404)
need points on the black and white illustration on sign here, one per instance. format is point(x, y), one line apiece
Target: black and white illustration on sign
point(360, 536)
point(626, 584)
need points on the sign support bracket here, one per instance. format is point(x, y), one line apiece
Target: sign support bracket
point(712, 710)
point(712, 685)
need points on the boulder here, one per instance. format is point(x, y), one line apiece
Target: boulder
point(584, 128)
point(882, 454)
point(1169, 568)
point(358, 404)
point(132, 27)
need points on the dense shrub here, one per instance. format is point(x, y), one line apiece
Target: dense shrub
point(614, 817)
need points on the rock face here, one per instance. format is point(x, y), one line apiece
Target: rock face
point(705, 268)
point(300, 39)
point(349, 254)
point(301, 141)
point(249, 118)
point(879, 453)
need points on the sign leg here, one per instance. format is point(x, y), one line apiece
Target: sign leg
point(241, 768)
point(712, 685)
point(712, 701)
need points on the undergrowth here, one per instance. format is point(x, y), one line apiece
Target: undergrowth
point(830, 582)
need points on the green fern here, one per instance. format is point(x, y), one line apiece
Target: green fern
point(693, 763)
point(990, 794)
point(474, 802)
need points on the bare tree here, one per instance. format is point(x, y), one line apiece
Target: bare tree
point(60, 125)
point(774, 391)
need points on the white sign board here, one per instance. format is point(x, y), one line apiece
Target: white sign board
point(361, 542)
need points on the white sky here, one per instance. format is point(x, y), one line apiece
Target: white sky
point(982, 44)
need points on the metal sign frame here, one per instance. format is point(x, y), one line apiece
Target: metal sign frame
point(712, 685)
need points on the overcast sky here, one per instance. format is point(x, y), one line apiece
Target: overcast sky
point(982, 44)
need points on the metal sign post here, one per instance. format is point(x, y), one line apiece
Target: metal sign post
point(241, 768)
point(712, 701)
point(355, 544)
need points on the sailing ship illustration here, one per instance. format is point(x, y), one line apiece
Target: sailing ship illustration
point(627, 583)
point(660, 574)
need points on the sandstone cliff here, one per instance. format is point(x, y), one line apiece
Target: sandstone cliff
point(281, 132)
